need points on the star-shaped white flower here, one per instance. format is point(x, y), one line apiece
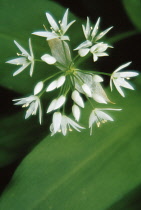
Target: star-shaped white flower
point(58, 31)
point(32, 102)
point(62, 123)
point(118, 78)
point(92, 36)
point(98, 116)
point(24, 60)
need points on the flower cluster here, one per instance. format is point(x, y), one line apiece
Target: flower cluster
point(69, 80)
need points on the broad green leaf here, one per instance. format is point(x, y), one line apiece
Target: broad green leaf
point(79, 171)
point(19, 19)
point(133, 9)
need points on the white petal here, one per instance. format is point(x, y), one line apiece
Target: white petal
point(95, 58)
point(52, 22)
point(101, 54)
point(98, 98)
point(103, 116)
point(103, 33)
point(38, 87)
point(30, 110)
point(20, 69)
point(128, 74)
point(94, 32)
point(122, 66)
point(83, 52)
point(85, 44)
point(52, 106)
point(87, 90)
point(43, 33)
point(18, 61)
point(48, 59)
point(118, 88)
point(76, 112)
point(30, 47)
point(77, 98)
point(60, 101)
point(61, 81)
point(31, 68)
point(124, 84)
point(22, 49)
point(97, 78)
point(64, 21)
point(52, 86)
point(57, 121)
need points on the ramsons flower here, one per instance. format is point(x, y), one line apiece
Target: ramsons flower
point(91, 44)
point(118, 78)
point(32, 102)
point(25, 59)
point(98, 116)
point(62, 123)
point(58, 31)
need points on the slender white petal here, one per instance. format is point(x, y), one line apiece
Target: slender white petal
point(123, 83)
point(52, 106)
point(95, 58)
point(76, 112)
point(22, 49)
point(18, 61)
point(77, 98)
point(103, 33)
point(61, 81)
point(60, 101)
point(64, 21)
point(57, 121)
point(46, 34)
point(122, 66)
point(118, 88)
point(128, 74)
point(48, 59)
point(52, 22)
point(52, 86)
point(20, 69)
point(103, 115)
point(38, 87)
point(94, 32)
point(31, 69)
point(87, 90)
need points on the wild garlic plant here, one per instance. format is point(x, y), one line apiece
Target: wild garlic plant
point(70, 80)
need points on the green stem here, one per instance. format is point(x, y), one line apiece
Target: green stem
point(51, 76)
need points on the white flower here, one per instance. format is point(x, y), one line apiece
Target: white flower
point(58, 31)
point(98, 116)
point(33, 104)
point(92, 36)
point(62, 123)
point(48, 59)
point(56, 103)
point(98, 50)
point(118, 78)
point(25, 60)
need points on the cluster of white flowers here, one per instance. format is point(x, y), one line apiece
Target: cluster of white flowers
point(70, 80)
